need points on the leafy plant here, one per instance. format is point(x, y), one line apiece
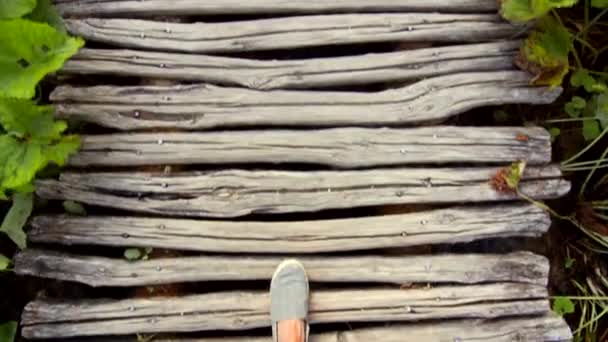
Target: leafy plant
point(133, 254)
point(5, 263)
point(8, 330)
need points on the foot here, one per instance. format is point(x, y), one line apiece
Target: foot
point(289, 303)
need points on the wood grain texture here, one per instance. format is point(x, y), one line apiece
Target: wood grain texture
point(294, 32)
point(245, 310)
point(452, 225)
point(213, 7)
point(202, 106)
point(547, 328)
point(340, 147)
point(232, 193)
point(304, 73)
point(450, 268)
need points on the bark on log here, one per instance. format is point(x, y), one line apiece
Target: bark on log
point(232, 193)
point(202, 106)
point(247, 310)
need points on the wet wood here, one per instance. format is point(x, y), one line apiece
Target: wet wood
point(547, 328)
point(452, 225)
point(340, 148)
point(294, 32)
point(202, 106)
point(450, 268)
point(245, 310)
point(304, 73)
point(213, 7)
point(231, 193)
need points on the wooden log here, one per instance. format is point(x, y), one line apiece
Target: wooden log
point(304, 73)
point(294, 32)
point(453, 225)
point(547, 328)
point(256, 7)
point(340, 147)
point(449, 268)
point(202, 106)
point(246, 310)
point(232, 193)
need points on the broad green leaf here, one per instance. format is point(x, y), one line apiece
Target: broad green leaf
point(581, 77)
point(45, 12)
point(591, 129)
point(516, 171)
point(132, 254)
point(10, 9)
point(600, 108)
point(555, 132)
point(545, 53)
point(17, 216)
point(8, 330)
point(33, 140)
point(526, 10)
point(575, 107)
point(74, 208)
point(563, 306)
point(5, 263)
point(28, 52)
point(599, 3)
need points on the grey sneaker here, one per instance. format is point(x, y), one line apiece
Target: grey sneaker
point(289, 294)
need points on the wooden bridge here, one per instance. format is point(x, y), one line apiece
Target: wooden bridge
point(327, 130)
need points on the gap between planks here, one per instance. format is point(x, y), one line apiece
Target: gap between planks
point(449, 268)
point(256, 7)
point(295, 32)
point(339, 147)
point(246, 310)
point(231, 193)
point(203, 106)
point(304, 73)
point(451, 225)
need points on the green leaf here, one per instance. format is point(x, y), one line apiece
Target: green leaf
point(600, 108)
point(575, 107)
point(74, 208)
point(563, 306)
point(581, 77)
point(45, 12)
point(555, 132)
point(591, 129)
point(515, 173)
point(545, 53)
point(8, 331)
point(28, 52)
point(569, 262)
point(10, 9)
point(599, 3)
point(17, 216)
point(33, 140)
point(5, 263)
point(526, 10)
point(132, 254)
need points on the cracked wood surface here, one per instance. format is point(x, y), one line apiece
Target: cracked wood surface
point(448, 268)
point(214, 7)
point(246, 310)
point(294, 32)
point(231, 193)
point(303, 73)
point(339, 147)
point(452, 225)
point(202, 106)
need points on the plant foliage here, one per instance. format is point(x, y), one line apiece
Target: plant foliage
point(526, 10)
point(8, 330)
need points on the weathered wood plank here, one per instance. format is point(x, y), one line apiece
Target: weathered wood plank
point(246, 310)
point(304, 73)
point(339, 147)
point(294, 32)
point(233, 193)
point(548, 328)
point(213, 7)
point(202, 106)
point(449, 268)
point(452, 225)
